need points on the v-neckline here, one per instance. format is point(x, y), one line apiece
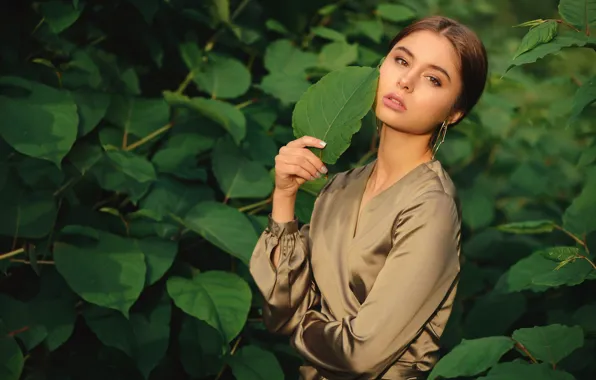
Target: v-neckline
point(360, 188)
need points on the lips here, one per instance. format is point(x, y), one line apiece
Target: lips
point(394, 102)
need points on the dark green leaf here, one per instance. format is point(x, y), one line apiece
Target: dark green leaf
point(159, 257)
point(373, 29)
point(27, 214)
point(92, 107)
point(542, 50)
point(580, 216)
point(169, 196)
point(148, 8)
point(478, 207)
point(494, 314)
point(43, 124)
point(223, 77)
point(18, 316)
point(11, 358)
point(223, 226)
point(58, 15)
point(472, 357)
point(333, 108)
point(201, 348)
point(219, 298)
point(237, 176)
point(537, 35)
point(550, 343)
point(110, 327)
point(520, 370)
point(260, 146)
point(109, 272)
point(530, 227)
point(519, 276)
point(254, 363)
point(138, 116)
point(225, 114)
point(220, 10)
point(585, 316)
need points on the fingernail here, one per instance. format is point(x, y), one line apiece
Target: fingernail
point(318, 175)
point(323, 170)
point(312, 178)
point(323, 143)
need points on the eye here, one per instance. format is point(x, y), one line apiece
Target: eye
point(434, 81)
point(401, 61)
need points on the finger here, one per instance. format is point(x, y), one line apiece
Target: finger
point(307, 141)
point(310, 156)
point(298, 171)
point(302, 162)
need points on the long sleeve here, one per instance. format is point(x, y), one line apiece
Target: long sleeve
point(419, 271)
point(288, 291)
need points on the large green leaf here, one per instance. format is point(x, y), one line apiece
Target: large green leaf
point(138, 116)
point(54, 308)
point(92, 107)
point(225, 114)
point(42, 124)
point(219, 298)
point(539, 34)
point(151, 335)
point(18, 316)
point(237, 176)
point(283, 57)
point(579, 13)
point(170, 196)
point(59, 15)
point(108, 272)
point(328, 33)
point(201, 348)
point(472, 357)
point(287, 88)
point(24, 213)
point(159, 257)
point(254, 363)
point(223, 226)
point(550, 343)
point(11, 357)
point(493, 314)
point(554, 46)
point(560, 253)
point(372, 29)
point(584, 96)
point(337, 55)
point(332, 109)
point(178, 156)
point(520, 370)
point(223, 77)
point(585, 316)
point(110, 327)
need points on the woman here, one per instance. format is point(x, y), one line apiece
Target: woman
point(366, 288)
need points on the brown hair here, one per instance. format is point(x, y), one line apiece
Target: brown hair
point(471, 52)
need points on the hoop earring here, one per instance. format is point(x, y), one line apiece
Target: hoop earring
point(440, 137)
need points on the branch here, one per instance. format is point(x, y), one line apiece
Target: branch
point(149, 137)
point(11, 253)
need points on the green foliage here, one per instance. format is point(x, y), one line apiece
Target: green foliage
point(138, 142)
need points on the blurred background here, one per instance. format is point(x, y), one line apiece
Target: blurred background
point(138, 137)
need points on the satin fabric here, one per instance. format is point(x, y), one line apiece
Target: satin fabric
point(365, 296)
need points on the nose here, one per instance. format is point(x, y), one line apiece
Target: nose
point(405, 83)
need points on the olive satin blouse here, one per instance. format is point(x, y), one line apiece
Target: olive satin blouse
point(365, 297)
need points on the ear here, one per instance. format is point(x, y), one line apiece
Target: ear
point(455, 117)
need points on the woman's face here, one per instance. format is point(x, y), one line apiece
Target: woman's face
point(419, 83)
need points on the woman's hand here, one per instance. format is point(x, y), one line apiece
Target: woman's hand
point(295, 164)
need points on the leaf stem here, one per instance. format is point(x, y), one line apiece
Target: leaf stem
point(255, 205)
point(231, 353)
point(189, 77)
point(578, 240)
point(149, 137)
point(42, 262)
point(525, 350)
point(11, 253)
point(560, 21)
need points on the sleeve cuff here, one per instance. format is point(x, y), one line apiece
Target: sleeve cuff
point(280, 229)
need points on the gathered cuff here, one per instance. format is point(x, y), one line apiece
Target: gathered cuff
point(280, 229)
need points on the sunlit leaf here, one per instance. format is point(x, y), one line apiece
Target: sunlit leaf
point(539, 34)
point(337, 55)
point(333, 108)
point(328, 33)
point(283, 57)
point(223, 77)
point(579, 13)
point(550, 343)
point(560, 253)
point(395, 12)
point(530, 227)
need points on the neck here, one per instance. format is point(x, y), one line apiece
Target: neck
point(398, 153)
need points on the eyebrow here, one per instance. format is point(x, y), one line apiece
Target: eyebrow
point(438, 68)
